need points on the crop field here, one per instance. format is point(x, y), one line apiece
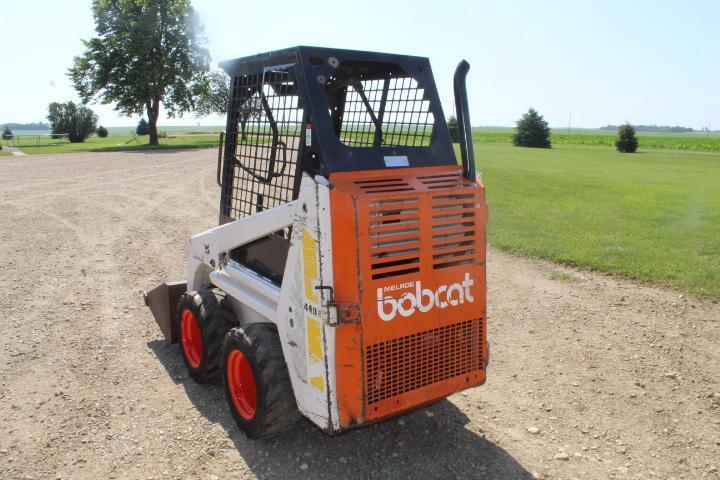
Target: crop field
point(650, 141)
point(653, 215)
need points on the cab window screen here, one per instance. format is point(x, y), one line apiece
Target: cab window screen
point(378, 105)
point(267, 115)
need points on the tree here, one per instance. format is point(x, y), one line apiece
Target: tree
point(626, 141)
point(7, 133)
point(216, 97)
point(251, 109)
point(532, 131)
point(102, 132)
point(78, 121)
point(142, 127)
point(147, 53)
point(452, 124)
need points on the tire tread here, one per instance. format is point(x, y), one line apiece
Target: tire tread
point(215, 319)
point(265, 353)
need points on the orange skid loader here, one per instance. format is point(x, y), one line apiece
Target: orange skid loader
point(346, 280)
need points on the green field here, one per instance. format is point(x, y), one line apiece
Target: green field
point(202, 136)
point(657, 141)
point(120, 142)
point(172, 130)
point(33, 140)
point(125, 131)
point(653, 215)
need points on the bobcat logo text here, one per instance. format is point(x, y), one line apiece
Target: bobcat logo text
point(422, 299)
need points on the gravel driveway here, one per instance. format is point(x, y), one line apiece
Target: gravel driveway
point(590, 378)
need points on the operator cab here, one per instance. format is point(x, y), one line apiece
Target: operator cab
point(320, 111)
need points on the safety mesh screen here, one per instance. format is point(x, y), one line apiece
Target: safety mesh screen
point(267, 112)
point(407, 363)
point(390, 112)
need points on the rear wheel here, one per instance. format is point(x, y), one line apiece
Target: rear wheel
point(256, 381)
point(203, 321)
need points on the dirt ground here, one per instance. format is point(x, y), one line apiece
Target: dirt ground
point(590, 377)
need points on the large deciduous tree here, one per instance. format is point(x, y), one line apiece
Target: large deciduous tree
point(215, 100)
point(147, 52)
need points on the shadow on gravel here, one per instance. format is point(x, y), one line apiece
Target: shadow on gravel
point(430, 443)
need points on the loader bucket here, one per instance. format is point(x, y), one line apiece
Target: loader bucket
point(163, 301)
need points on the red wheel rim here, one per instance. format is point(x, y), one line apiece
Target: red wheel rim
point(241, 383)
point(191, 338)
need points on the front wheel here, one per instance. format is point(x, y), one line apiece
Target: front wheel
point(203, 320)
point(256, 381)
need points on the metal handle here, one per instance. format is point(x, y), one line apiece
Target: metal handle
point(463, 119)
point(220, 154)
point(275, 141)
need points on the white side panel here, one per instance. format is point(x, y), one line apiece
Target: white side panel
point(329, 313)
point(304, 320)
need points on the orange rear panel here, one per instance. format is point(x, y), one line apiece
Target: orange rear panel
point(409, 250)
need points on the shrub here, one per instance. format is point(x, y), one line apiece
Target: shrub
point(143, 128)
point(101, 132)
point(452, 124)
point(532, 131)
point(162, 134)
point(78, 121)
point(626, 141)
point(7, 133)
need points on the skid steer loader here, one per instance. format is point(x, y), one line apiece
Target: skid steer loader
point(346, 279)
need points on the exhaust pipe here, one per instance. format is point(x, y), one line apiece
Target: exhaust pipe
point(463, 119)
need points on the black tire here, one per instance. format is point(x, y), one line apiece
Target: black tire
point(276, 410)
point(214, 320)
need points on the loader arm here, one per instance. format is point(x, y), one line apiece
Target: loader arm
point(207, 249)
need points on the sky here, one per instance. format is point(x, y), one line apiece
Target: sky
point(589, 63)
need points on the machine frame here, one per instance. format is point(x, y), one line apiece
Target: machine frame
point(342, 160)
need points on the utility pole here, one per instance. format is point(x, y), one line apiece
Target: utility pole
point(569, 122)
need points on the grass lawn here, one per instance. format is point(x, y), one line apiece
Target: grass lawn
point(119, 142)
point(5, 153)
point(653, 215)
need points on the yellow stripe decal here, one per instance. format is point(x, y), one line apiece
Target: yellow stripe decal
point(310, 264)
point(318, 382)
point(314, 336)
